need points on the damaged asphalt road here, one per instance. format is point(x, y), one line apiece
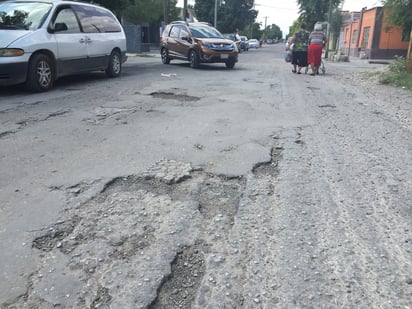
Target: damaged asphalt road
point(212, 188)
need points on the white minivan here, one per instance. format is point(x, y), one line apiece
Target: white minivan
point(42, 40)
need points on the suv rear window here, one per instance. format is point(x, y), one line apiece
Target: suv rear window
point(95, 19)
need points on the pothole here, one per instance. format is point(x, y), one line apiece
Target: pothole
point(102, 298)
point(173, 96)
point(179, 288)
point(269, 168)
point(327, 106)
point(133, 231)
point(54, 235)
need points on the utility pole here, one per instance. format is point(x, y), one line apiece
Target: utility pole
point(185, 12)
point(264, 30)
point(328, 29)
point(215, 13)
point(165, 11)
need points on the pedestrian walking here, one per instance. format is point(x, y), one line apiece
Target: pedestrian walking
point(300, 49)
point(317, 39)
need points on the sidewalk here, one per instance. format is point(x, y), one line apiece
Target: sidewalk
point(153, 52)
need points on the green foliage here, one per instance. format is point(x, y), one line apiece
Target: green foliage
point(335, 21)
point(252, 31)
point(231, 14)
point(397, 74)
point(400, 14)
point(117, 7)
point(295, 27)
point(312, 11)
point(272, 32)
point(140, 11)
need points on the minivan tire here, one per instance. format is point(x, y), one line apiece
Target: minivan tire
point(193, 59)
point(115, 65)
point(41, 73)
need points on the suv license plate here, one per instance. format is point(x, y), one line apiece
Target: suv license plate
point(224, 56)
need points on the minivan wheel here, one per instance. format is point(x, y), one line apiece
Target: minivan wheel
point(165, 56)
point(115, 65)
point(41, 73)
point(230, 64)
point(194, 59)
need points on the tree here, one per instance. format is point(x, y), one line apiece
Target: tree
point(400, 15)
point(150, 11)
point(116, 7)
point(273, 32)
point(140, 11)
point(312, 11)
point(232, 14)
point(295, 27)
point(252, 31)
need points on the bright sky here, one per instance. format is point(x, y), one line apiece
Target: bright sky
point(284, 12)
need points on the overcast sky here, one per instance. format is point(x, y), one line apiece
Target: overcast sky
point(284, 12)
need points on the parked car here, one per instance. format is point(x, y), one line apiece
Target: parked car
point(244, 43)
point(253, 43)
point(197, 43)
point(42, 40)
point(232, 37)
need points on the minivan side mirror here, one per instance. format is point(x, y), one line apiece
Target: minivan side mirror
point(187, 38)
point(58, 27)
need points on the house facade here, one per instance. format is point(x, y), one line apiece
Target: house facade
point(366, 34)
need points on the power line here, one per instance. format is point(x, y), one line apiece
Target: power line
point(274, 7)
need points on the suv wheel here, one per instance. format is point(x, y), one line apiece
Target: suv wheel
point(194, 59)
point(230, 64)
point(115, 65)
point(41, 73)
point(165, 56)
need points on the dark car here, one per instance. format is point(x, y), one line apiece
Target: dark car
point(232, 37)
point(244, 43)
point(197, 43)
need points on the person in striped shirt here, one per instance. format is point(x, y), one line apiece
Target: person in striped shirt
point(317, 39)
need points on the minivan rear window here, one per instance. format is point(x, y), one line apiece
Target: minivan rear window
point(95, 19)
point(23, 15)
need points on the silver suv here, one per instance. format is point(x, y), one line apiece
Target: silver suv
point(43, 40)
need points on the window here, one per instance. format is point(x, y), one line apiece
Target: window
point(95, 19)
point(23, 15)
point(67, 17)
point(354, 36)
point(183, 33)
point(205, 32)
point(174, 33)
point(365, 38)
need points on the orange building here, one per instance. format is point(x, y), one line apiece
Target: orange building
point(366, 34)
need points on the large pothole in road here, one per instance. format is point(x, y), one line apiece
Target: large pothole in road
point(142, 234)
point(179, 290)
point(173, 96)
